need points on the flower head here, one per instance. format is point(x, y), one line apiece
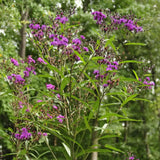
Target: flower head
point(60, 118)
point(50, 86)
point(41, 60)
point(99, 16)
point(14, 62)
point(30, 59)
point(85, 49)
point(82, 37)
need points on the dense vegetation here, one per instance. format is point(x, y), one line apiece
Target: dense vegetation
point(79, 82)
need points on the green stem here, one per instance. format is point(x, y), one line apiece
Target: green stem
point(51, 150)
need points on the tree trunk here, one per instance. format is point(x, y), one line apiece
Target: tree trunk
point(94, 155)
point(22, 48)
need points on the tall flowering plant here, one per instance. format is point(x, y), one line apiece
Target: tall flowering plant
point(71, 107)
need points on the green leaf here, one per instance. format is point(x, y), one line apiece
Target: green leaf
point(142, 99)
point(87, 124)
point(81, 58)
point(129, 99)
point(98, 43)
point(135, 74)
point(113, 148)
point(67, 149)
point(97, 58)
point(64, 82)
point(130, 61)
point(127, 119)
point(54, 69)
point(135, 44)
point(110, 42)
point(108, 136)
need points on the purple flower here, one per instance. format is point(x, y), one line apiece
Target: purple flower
point(39, 133)
point(19, 79)
point(14, 62)
point(51, 36)
point(27, 110)
point(60, 118)
point(34, 72)
point(152, 84)
point(50, 86)
point(115, 62)
point(97, 76)
point(96, 72)
point(54, 43)
point(63, 20)
point(99, 16)
point(131, 158)
point(28, 69)
point(82, 37)
point(58, 96)
point(44, 134)
point(38, 101)
point(109, 69)
point(43, 27)
point(30, 59)
point(41, 60)
point(24, 135)
point(9, 77)
point(76, 41)
point(26, 74)
point(58, 17)
point(77, 58)
point(139, 29)
point(85, 49)
point(17, 135)
point(35, 27)
point(105, 85)
point(55, 107)
point(20, 104)
point(49, 116)
point(122, 20)
point(147, 78)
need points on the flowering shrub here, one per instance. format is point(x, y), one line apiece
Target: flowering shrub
point(81, 76)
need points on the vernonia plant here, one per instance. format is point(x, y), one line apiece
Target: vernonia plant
point(70, 109)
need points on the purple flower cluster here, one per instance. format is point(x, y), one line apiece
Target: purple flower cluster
point(38, 101)
point(62, 20)
point(24, 135)
point(97, 74)
point(112, 66)
point(17, 79)
point(28, 70)
point(55, 107)
point(130, 24)
point(82, 37)
point(76, 41)
point(14, 62)
point(99, 16)
point(50, 86)
point(132, 157)
point(20, 105)
point(41, 60)
point(34, 26)
point(148, 82)
point(85, 49)
point(61, 41)
point(60, 118)
point(30, 60)
point(44, 134)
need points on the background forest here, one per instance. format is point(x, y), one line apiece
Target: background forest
point(139, 136)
